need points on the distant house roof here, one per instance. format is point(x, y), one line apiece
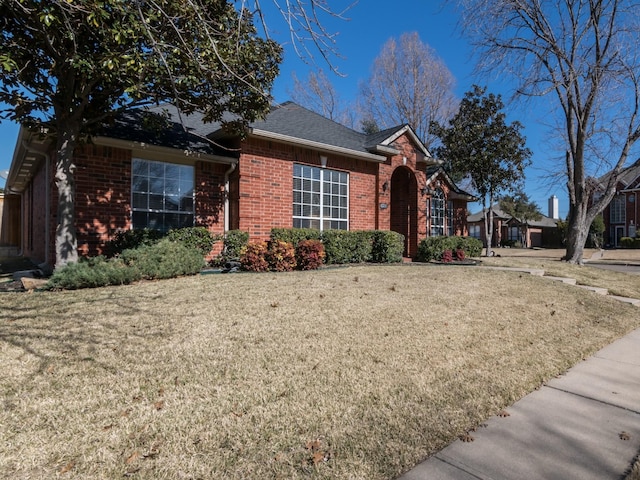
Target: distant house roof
point(544, 221)
point(630, 177)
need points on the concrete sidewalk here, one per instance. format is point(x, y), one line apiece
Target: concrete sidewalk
point(582, 425)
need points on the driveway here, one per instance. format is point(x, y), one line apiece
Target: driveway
point(617, 267)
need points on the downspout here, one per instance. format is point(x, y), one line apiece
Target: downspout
point(226, 196)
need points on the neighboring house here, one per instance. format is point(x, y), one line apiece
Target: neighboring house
point(293, 169)
point(507, 230)
point(621, 215)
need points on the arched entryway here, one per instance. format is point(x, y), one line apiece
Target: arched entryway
point(404, 208)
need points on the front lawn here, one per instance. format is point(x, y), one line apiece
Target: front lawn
point(357, 372)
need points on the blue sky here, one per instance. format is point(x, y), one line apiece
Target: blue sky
point(371, 23)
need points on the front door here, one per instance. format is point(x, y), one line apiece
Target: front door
point(404, 208)
point(619, 234)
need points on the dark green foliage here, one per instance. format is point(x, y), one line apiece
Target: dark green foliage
point(628, 242)
point(234, 243)
point(194, 237)
point(91, 273)
point(310, 254)
point(129, 239)
point(253, 258)
point(387, 246)
point(281, 256)
point(165, 259)
point(295, 235)
point(432, 248)
point(342, 246)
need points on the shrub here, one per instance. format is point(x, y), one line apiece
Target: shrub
point(129, 239)
point(432, 248)
point(235, 242)
point(310, 254)
point(627, 242)
point(91, 273)
point(387, 247)
point(343, 246)
point(281, 256)
point(294, 235)
point(194, 237)
point(460, 255)
point(165, 259)
point(253, 258)
point(447, 256)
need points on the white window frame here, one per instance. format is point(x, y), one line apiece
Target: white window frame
point(617, 211)
point(438, 213)
point(475, 231)
point(320, 198)
point(181, 189)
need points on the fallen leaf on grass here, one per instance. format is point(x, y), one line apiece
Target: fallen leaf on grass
point(132, 458)
point(131, 472)
point(159, 405)
point(67, 467)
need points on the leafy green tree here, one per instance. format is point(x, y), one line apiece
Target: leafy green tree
point(580, 58)
point(523, 210)
point(596, 231)
point(480, 145)
point(67, 67)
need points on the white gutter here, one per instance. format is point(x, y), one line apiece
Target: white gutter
point(226, 196)
point(316, 145)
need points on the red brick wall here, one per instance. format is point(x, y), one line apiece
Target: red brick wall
point(34, 217)
point(264, 181)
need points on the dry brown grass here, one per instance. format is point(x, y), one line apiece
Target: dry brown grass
point(617, 283)
point(354, 373)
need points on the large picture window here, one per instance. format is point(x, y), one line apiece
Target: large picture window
point(320, 198)
point(437, 213)
point(162, 195)
point(617, 210)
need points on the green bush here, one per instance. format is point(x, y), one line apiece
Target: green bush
point(281, 256)
point(432, 248)
point(165, 259)
point(343, 246)
point(129, 239)
point(387, 246)
point(91, 273)
point(234, 243)
point(628, 242)
point(253, 258)
point(310, 254)
point(194, 237)
point(294, 235)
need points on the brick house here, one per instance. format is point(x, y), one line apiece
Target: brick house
point(295, 168)
point(622, 214)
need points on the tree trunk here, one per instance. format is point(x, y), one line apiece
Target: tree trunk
point(66, 240)
point(488, 226)
point(577, 231)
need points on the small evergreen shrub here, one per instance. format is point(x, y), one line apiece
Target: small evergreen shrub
point(343, 246)
point(129, 239)
point(165, 259)
point(387, 246)
point(432, 248)
point(281, 256)
point(254, 257)
point(460, 255)
point(194, 237)
point(294, 235)
point(310, 254)
point(91, 273)
point(447, 256)
point(627, 242)
point(234, 243)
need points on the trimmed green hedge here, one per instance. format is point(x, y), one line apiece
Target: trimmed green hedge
point(165, 259)
point(432, 248)
point(91, 273)
point(194, 237)
point(628, 242)
point(348, 246)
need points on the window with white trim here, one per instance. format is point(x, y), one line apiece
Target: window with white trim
point(162, 195)
point(617, 210)
point(437, 213)
point(320, 198)
point(474, 231)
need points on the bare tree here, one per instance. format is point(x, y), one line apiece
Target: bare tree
point(584, 54)
point(317, 93)
point(409, 83)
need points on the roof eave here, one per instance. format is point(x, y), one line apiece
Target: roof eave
point(31, 148)
point(323, 147)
